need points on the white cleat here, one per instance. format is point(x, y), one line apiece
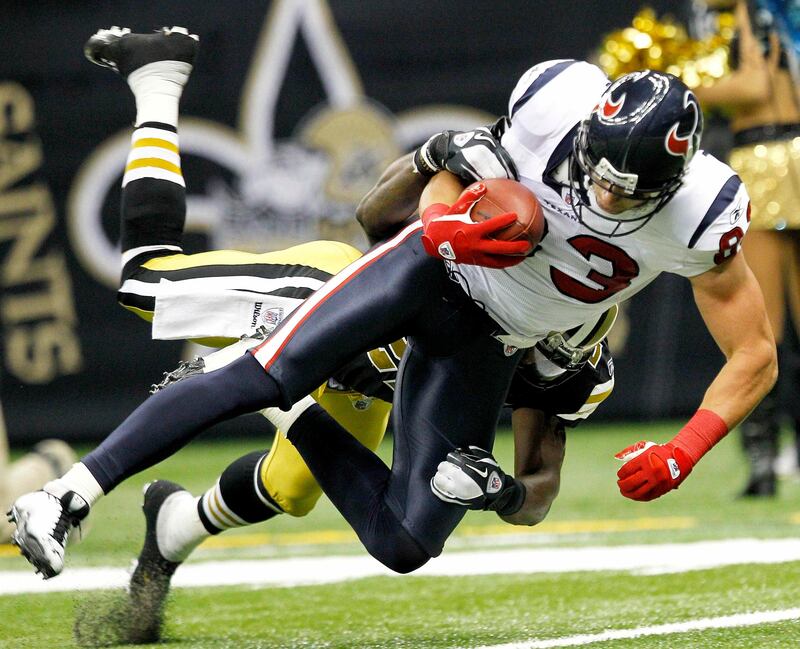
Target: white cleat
point(44, 522)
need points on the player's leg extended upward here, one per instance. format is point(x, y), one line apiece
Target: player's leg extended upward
point(374, 301)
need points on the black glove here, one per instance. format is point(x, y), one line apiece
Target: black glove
point(470, 155)
point(472, 477)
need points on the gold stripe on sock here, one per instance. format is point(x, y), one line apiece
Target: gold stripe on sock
point(153, 162)
point(212, 515)
point(220, 511)
point(156, 141)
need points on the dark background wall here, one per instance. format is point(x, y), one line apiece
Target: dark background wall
point(73, 362)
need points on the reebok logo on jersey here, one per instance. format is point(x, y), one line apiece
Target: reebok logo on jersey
point(510, 350)
point(446, 251)
point(674, 469)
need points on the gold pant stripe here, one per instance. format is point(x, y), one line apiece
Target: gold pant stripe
point(153, 162)
point(155, 141)
point(597, 398)
point(327, 256)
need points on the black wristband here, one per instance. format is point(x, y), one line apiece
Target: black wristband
point(423, 165)
point(509, 500)
point(430, 158)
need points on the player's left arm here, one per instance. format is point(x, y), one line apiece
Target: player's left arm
point(472, 476)
point(730, 301)
point(539, 443)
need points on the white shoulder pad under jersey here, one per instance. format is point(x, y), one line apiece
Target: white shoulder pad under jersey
point(575, 274)
point(547, 104)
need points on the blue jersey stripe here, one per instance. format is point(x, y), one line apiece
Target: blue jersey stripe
point(560, 153)
point(542, 80)
point(723, 199)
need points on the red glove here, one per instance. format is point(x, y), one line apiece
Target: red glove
point(450, 233)
point(651, 470)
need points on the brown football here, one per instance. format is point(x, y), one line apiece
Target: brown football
point(504, 195)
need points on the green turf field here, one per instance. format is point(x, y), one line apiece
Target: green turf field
point(458, 611)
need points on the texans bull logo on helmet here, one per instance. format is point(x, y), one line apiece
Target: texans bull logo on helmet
point(610, 108)
point(680, 140)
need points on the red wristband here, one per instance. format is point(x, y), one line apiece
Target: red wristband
point(700, 433)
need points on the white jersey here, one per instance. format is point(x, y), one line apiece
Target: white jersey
point(576, 274)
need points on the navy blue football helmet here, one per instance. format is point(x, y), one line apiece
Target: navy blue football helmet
point(636, 143)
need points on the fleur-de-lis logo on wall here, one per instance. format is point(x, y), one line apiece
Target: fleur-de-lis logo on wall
point(272, 193)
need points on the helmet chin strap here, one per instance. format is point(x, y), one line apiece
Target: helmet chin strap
point(546, 368)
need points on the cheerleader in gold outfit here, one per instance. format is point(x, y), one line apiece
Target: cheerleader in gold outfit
point(761, 99)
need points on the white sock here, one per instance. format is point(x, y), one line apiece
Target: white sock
point(157, 88)
point(178, 527)
point(283, 420)
point(79, 480)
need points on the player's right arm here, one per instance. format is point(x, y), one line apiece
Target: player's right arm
point(730, 301)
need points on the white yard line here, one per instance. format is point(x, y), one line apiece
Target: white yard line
point(636, 559)
point(726, 622)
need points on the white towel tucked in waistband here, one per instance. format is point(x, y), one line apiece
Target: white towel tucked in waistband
point(186, 312)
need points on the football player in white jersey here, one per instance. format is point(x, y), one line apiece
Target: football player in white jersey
point(617, 161)
point(628, 195)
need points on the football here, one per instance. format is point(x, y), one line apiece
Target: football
point(504, 195)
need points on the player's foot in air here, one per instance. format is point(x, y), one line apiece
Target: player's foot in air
point(44, 521)
point(120, 50)
point(150, 581)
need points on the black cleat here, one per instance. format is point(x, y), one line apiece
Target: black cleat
point(761, 486)
point(120, 50)
point(150, 581)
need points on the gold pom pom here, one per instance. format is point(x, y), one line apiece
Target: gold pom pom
point(663, 44)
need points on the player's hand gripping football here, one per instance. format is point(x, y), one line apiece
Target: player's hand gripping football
point(470, 155)
point(450, 233)
point(651, 470)
point(471, 477)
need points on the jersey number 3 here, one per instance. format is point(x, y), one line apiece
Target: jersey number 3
point(623, 270)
